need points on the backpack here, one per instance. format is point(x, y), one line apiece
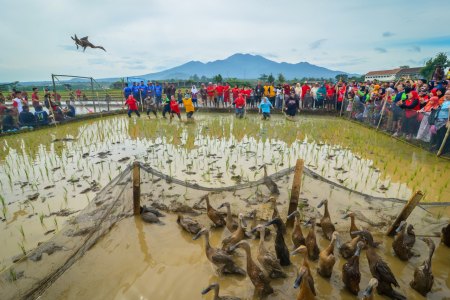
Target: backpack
point(434, 115)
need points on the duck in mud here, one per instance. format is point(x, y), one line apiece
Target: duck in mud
point(423, 279)
point(325, 222)
point(348, 249)
point(270, 184)
point(301, 281)
point(310, 240)
point(150, 215)
point(403, 252)
point(351, 276)
point(280, 246)
point(353, 227)
point(232, 225)
point(215, 286)
point(368, 293)
point(297, 235)
point(380, 269)
point(326, 257)
point(302, 249)
point(219, 257)
point(236, 236)
point(276, 214)
point(213, 214)
point(267, 260)
point(255, 223)
point(445, 236)
point(410, 236)
point(189, 224)
point(259, 278)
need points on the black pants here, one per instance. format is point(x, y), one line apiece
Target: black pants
point(440, 139)
point(135, 111)
point(266, 115)
point(189, 114)
point(150, 110)
point(257, 99)
point(339, 104)
point(166, 109)
point(179, 115)
point(272, 100)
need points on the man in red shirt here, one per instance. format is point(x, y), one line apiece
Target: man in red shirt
point(35, 98)
point(210, 91)
point(235, 92)
point(286, 90)
point(25, 95)
point(226, 94)
point(329, 99)
point(240, 103)
point(219, 90)
point(78, 94)
point(132, 107)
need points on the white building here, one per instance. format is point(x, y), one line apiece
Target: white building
point(386, 75)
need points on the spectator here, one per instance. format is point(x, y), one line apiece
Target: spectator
point(172, 90)
point(266, 90)
point(26, 118)
point(126, 91)
point(424, 132)
point(314, 90)
point(72, 97)
point(150, 89)
point(167, 89)
point(142, 91)
point(235, 93)
point(194, 95)
point(204, 94)
point(58, 96)
point(286, 91)
point(412, 105)
point(272, 94)
point(2, 98)
point(216, 104)
point(158, 94)
point(259, 91)
point(25, 95)
point(35, 98)
point(220, 98)
point(321, 95)
point(79, 92)
point(226, 95)
point(135, 91)
point(291, 106)
point(298, 93)
point(279, 97)
point(8, 122)
point(210, 90)
point(265, 106)
point(396, 111)
point(438, 74)
point(41, 116)
point(69, 110)
point(17, 104)
point(442, 123)
point(3, 108)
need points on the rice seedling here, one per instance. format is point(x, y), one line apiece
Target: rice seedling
point(12, 274)
point(55, 221)
point(22, 248)
point(21, 230)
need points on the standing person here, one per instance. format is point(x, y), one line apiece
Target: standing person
point(279, 96)
point(216, 103)
point(259, 91)
point(150, 105)
point(220, 99)
point(304, 88)
point(235, 92)
point(25, 95)
point(17, 104)
point(272, 94)
point(286, 91)
point(210, 90)
point(35, 98)
point(174, 108)
point(132, 107)
point(142, 92)
point(166, 107)
point(180, 97)
point(203, 92)
point(298, 94)
point(239, 104)
point(291, 106)
point(172, 90)
point(442, 123)
point(437, 76)
point(396, 111)
point(252, 97)
point(158, 94)
point(226, 94)
point(150, 89)
point(135, 91)
point(78, 92)
point(265, 106)
point(189, 107)
point(167, 89)
point(306, 96)
point(340, 96)
point(266, 90)
point(329, 97)
point(313, 93)
point(194, 96)
point(321, 95)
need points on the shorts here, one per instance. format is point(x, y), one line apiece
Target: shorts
point(194, 100)
point(204, 97)
point(189, 114)
point(220, 98)
point(215, 100)
point(210, 98)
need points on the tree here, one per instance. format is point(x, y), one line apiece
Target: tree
point(196, 77)
point(440, 60)
point(263, 77)
point(344, 77)
point(217, 78)
point(203, 78)
point(271, 78)
point(281, 78)
point(404, 67)
point(9, 86)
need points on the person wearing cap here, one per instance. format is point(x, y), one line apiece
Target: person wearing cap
point(158, 94)
point(150, 89)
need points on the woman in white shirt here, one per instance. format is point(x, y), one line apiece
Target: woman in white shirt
point(17, 104)
point(298, 93)
point(314, 93)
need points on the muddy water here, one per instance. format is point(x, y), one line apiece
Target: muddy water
point(142, 261)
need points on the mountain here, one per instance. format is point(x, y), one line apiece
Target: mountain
point(244, 66)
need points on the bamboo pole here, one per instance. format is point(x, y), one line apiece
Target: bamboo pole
point(71, 93)
point(381, 115)
point(445, 138)
point(342, 105)
point(136, 188)
point(123, 111)
point(407, 210)
point(295, 194)
point(99, 109)
point(93, 96)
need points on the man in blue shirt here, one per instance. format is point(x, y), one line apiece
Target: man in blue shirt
point(135, 90)
point(41, 116)
point(150, 89)
point(143, 91)
point(26, 118)
point(69, 110)
point(158, 93)
point(127, 91)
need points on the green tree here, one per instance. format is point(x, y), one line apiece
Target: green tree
point(404, 67)
point(217, 78)
point(204, 78)
point(9, 86)
point(263, 77)
point(281, 78)
point(344, 77)
point(296, 79)
point(196, 77)
point(271, 78)
point(441, 59)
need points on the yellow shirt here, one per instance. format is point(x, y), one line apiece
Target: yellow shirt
point(272, 92)
point(266, 90)
point(376, 87)
point(188, 105)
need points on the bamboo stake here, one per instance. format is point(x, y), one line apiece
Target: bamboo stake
point(445, 138)
point(407, 210)
point(136, 188)
point(381, 115)
point(123, 94)
point(100, 110)
point(295, 194)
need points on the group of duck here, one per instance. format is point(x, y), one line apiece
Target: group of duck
point(272, 265)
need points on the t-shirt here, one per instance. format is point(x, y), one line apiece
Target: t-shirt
point(26, 117)
point(135, 90)
point(272, 92)
point(267, 90)
point(79, 93)
point(150, 103)
point(8, 123)
point(330, 93)
point(265, 106)
point(72, 109)
point(226, 91)
point(210, 90)
point(18, 104)
point(143, 90)
point(58, 96)
point(41, 116)
point(150, 89)
point(35, 99)
point(126, 91)
point(131, 104)
point(158, 90)
point(305, 89)
point(188, 105)
point(235, 92)
point(287, 89)
point(220, 90)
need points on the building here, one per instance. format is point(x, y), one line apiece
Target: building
point(390, 75)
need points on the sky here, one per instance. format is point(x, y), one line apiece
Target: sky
point(144, 37)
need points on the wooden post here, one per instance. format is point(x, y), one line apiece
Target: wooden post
point(295, 193)
point(136, 188)
point(407, 210)
point(123, 94)
point(444, 141)
point(342, 104)
point(93, 96)
point(99, 109)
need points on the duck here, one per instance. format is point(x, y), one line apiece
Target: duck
point(423, 279)
point(352, 223)
point(410, 236)
point(189, 224)
point(267, 260)
point(236, 236)
point(305, 292)
point(380, 269)
point(213, 214)
point(255, 223)
point(144, 209)
point(445, 236)
point(326, 257)
point(351, 276)
point(276, 213)
point(215, 286)
point(259, 278)
point(403, 252)
point(270, 184)
point(368, 293)
point(325, 222)
point(310, 240)
point(280, 246)
point(297, 235)
point(302, 249)
point(150, 215)
point(219, 257)
point(348, 249)
point(232, 225)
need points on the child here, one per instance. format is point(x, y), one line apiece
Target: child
point(189, 106)
point(252, 98)
point(174, 109)
point(132, 107)
point(180, 97)
point(265, 106)
point(166, 107)
point(150, 104)
point(194, 95)
point(240, 103)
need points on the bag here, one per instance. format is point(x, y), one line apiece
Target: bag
point(433, 116)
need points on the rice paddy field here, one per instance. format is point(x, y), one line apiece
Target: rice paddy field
point(47, 177)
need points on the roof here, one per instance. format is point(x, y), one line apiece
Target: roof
point(410, 70)
point(385, 72)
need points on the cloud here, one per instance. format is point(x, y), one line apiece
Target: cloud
point(293, 50)
point(380, 50)
point(137, 67)
point(387, 34)
point(67, 47)
point(98, 61)
point(414, 48)
point(316, 44)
